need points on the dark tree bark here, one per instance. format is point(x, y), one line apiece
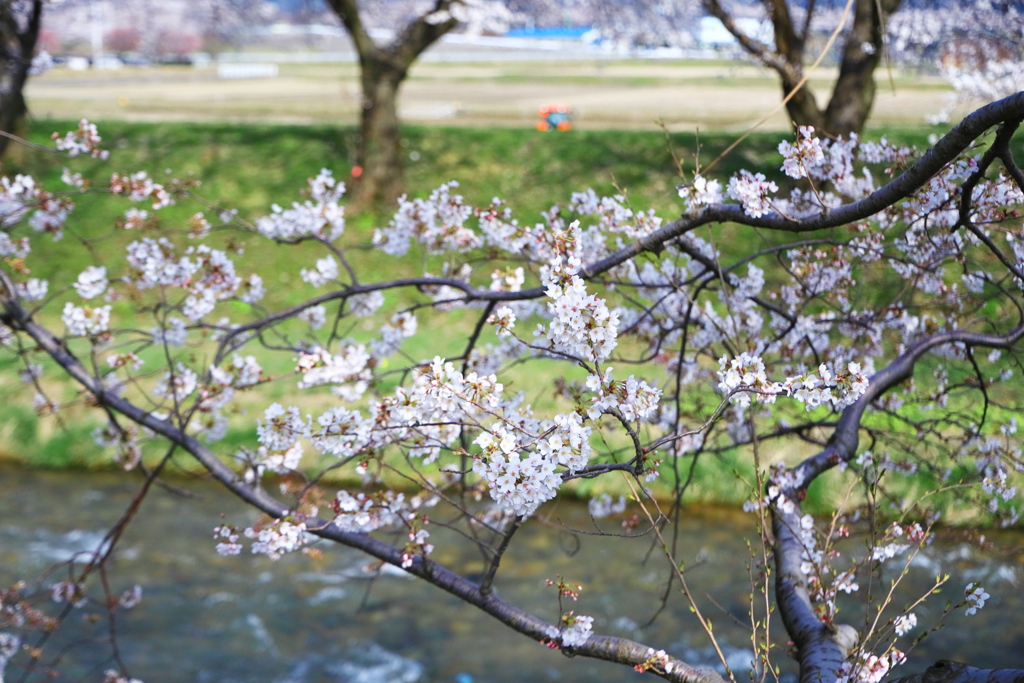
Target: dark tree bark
point(382, 71)
point(19, 31)
point(854, 91)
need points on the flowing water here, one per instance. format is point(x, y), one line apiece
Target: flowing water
point(303, 620)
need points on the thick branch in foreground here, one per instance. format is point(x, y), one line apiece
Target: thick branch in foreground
point(1006, 111)
point(608, 648)
point(945, 671)
point(822, 649)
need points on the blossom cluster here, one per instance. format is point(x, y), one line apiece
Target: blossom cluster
point(84, 140)
point(582, 325)
point(865, 668)
point(752, 190)
point(438, 222)
point(517, 482)
point(576, 629)
point(320, 216)
point(277, 538)
point(365, 512)
point(745, 375)
point(701, 192)
point(975, 597)
point(85, 321)
point(633, 399)
point(805, 155)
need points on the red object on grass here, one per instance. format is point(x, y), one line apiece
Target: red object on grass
point(357, 171)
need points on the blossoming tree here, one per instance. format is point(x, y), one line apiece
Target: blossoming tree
point(384, 67)
point(976, 47)
point(876, 300)
point(863, 39)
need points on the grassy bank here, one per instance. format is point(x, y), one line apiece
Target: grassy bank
point(250, 167)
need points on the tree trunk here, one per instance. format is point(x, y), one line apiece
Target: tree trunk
point(802, 108)
point(12, 117)
point(380, 142)
point(854, 91)
point(382, 70)
point(18, 38)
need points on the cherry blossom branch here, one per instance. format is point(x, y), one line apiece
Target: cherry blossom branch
point(945, 150)
point(822, 648)
point(610, 648)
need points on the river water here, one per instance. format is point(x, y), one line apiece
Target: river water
point(208, 618)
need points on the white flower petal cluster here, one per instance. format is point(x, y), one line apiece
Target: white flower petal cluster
point(173, 333)
point(320, 366)
point(752, 190)
point(16, 196)
point(85, 321)
point(314, 316)
point(403, 325)
point(846, 582)
point(278, 538)
point(975, 596)
point(504, 319)
point(326, 270)
point(864, 668)
point(577, 629)
point(281, 462)
point(566, 442)
point(84, 140)
point(321, 217)
point(16, 248)
point(227, 538)
point(362, 513)
point(153, 263)
point(91, 282)
point(615, 215)
point(438, 222)
point(134, 219)
point(581, 325)
point(508, 280)
point(745, 374)
point(283, 427)
point(246, 371)
point(140, 187)
point(112, 676)
point(32, 290)
point(518, 483)
point(701, 192)
point(70, 592)
point(363, 305)
point(179, 384)
point(417, 545)
point(803, 157)
point(341, 432)
point(10, 644)
point(815, 389)
point(634, 399)
point(905, 623)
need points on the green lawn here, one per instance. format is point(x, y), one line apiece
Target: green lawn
point(251, 166)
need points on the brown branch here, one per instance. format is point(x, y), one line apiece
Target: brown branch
point(609, 648)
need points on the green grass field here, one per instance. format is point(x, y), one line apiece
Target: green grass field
point(616, 94)
point(251, 165)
